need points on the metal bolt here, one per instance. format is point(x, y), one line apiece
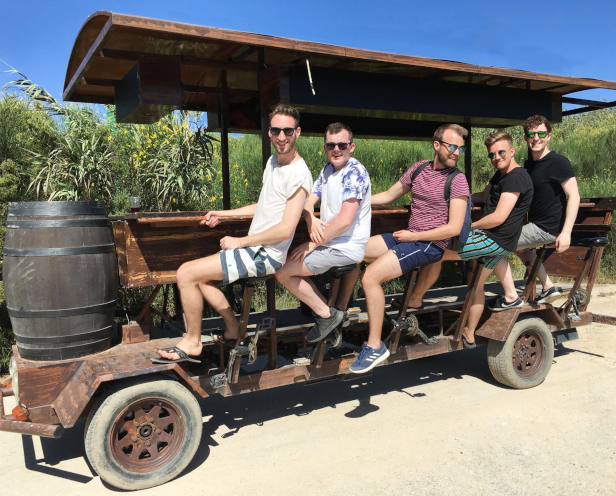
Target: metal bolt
point(134, 439)
point(136, 423)
point(147, 443)
point(139, 445)
point(157, 431)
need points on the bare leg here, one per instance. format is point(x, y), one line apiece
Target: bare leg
point(477, 306)
point(384, 268)
point(529, 257)
point(345, 291)
point(189, 277)
point(427, 277)
point(503, 272)
point(294, 276)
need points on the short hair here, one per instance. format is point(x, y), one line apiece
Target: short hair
point(536, 121)
point(438, 134)
point(498, 136)
point(336, 127)
point(283, 109)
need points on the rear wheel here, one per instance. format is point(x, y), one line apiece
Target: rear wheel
point(524, 359)
point(143, 432)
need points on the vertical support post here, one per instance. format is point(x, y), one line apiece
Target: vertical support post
point(468, 159)
point(224, 141)
point(529, 290)
point(265, 140)
point(272, 350)
point(468, 302)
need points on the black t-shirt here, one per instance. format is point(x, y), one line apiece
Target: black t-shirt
point(549, 205)
point(516, 181)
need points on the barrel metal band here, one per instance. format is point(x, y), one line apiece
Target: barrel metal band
point(47, 209)
point(61, 312)
point(33, 224)
point(105, 332)
point(56, 252)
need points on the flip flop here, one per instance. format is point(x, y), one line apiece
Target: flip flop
point(395, 303)
point(183, 357)
point(468, 345)
point(220, 338)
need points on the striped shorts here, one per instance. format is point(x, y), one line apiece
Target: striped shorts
point(240, 263)
point(481, 247)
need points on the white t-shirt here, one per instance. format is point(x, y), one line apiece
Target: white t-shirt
point(279, 184)
point(335, 187)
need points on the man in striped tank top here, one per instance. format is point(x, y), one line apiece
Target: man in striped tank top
point(433, 221)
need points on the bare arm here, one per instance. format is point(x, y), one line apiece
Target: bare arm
point(315, 230)
point(391, 195)
point(570, 188)
point(333, 229)
point(213, 217)
point(279, 232)
point(505, 205)
point(457, 212)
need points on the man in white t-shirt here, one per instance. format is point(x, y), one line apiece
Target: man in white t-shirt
point(339, 237)
point(287, 182)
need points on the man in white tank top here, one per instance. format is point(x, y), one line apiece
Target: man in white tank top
point(286, 184)
point(339, 237)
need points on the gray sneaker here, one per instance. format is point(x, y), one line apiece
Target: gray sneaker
point(323, 327)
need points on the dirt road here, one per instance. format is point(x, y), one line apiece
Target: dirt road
point(439, 425)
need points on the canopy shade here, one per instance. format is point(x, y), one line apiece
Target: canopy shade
point(149, 67)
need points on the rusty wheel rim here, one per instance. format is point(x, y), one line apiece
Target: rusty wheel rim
point(528, 353)
point(147, 434)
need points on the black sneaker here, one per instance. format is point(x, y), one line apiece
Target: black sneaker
point(323, 327)
point(548, 296)
point(501, 304)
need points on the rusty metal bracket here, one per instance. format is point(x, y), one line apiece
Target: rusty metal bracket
point(9, 424)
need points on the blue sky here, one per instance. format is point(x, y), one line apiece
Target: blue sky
point(572, 38)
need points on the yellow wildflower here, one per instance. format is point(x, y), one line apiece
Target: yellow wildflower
point(109, 138)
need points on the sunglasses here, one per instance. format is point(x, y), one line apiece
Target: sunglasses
point(453, 148)
point(341, 146)
point(531, 134)
point(288, 131)
point(501, 153)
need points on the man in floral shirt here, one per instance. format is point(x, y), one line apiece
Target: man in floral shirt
point(339, 237)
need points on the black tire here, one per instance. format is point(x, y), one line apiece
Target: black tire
point(143, 432)
point(524, 359)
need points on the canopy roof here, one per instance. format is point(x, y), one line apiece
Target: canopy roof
point(149, 67)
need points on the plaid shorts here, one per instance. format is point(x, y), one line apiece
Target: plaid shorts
point(480, 247)
point(240, 263)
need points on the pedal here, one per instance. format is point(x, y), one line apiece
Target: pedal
point(352, 316)
point(218, 381)
point(301, 361)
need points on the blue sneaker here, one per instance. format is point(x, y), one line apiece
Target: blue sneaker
point(369, 358)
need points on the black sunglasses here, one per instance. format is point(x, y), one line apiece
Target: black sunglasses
point(453, 148)
point(341, 146)
point(531, 134)
point(288, 131)
point(502, 153)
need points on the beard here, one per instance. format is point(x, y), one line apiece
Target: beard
point(446, 158)
point(286, 147)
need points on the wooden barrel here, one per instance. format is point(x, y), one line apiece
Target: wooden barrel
point(60, 278)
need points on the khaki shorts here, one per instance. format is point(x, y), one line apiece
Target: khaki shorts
point(532, 237)
point(324, 258)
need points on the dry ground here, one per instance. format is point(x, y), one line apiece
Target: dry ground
point(439, 425)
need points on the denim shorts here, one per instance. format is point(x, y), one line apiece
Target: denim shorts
point(413, 254)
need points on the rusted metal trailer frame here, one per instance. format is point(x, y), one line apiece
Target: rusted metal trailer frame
point(141, 420)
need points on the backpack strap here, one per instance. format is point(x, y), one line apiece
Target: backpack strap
point(417, 171)
point(448, 183)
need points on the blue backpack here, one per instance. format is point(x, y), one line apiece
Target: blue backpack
point(457, 242)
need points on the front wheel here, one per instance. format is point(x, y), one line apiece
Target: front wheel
point(524, 359)
point(143, 432)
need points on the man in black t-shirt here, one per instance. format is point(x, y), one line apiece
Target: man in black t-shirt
point(552, 212)
point(507, 198)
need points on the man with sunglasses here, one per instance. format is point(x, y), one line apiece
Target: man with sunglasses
point(433, 221)
point(338, 237)
point(286, 184)
point(552, 212)
point(507, 198)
